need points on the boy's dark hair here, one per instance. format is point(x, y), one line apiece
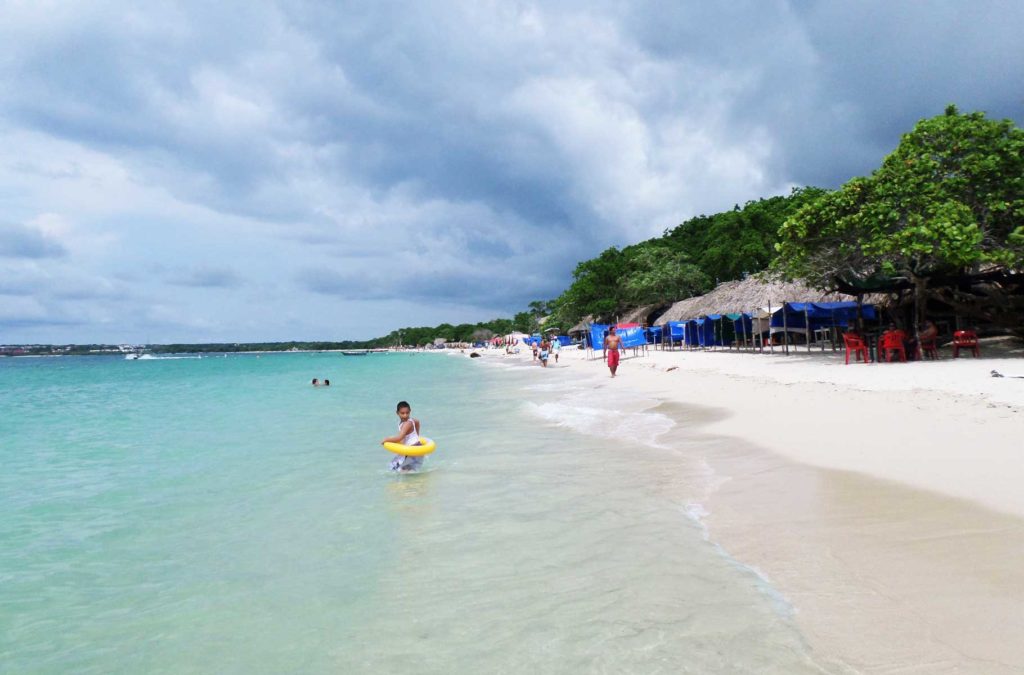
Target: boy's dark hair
point(402, 404)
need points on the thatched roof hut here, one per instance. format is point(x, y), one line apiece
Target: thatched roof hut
point(644, 314)
point(745, 296)
point(582, 326)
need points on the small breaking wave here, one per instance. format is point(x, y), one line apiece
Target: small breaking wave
point(637, 427)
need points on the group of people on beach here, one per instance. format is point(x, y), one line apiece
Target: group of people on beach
point(543, 350)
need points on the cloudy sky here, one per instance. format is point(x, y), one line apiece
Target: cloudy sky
point(326, 170)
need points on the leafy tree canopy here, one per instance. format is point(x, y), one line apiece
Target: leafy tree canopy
point(687, 260)
point(949, 198)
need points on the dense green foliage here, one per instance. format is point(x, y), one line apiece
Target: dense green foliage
point(948, 200)
point(687, 260)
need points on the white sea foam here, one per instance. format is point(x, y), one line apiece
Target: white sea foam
point(637, 427)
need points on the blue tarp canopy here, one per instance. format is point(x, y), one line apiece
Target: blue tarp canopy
point(632, 337)
point(564, 340)
point(821, 314)
point(691, 330)
point(596, 335)
point(709, 332)
point(675, 330)
point(742, 323)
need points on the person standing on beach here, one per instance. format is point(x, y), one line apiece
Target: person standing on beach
point(556, 347)
point(612, 344)
point(544, 352)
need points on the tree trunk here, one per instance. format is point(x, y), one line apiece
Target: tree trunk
point(920, 301)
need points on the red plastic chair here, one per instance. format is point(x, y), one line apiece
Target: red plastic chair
point(892, 343)
point(966, 339)
point(856, 345)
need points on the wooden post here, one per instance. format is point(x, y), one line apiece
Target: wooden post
point(807, 325)
point(785, 331)
point(771, 342)
point(832, 332)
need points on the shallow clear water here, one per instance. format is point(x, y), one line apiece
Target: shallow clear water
point(222, 515)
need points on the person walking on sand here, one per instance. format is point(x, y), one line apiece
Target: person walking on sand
point(612, 344)
point(556, 347)
point(544, 352)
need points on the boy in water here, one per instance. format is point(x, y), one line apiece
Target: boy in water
point(408, 434)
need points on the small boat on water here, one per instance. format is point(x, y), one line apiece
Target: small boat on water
point(355, 352)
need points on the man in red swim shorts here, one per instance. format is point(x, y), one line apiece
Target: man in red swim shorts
point(612, 342)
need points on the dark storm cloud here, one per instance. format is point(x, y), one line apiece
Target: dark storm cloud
point(25, 241)
point(836, 84)
point(484, 140)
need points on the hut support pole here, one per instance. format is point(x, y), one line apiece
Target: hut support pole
point(785, 331)
point(807, 323)
point(771, 342)
point(831, 333)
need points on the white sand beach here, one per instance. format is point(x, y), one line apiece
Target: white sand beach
point(884, 501)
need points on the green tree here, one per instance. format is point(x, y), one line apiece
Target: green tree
point(732, 244)
point(658, 274)
point(949, 199)
point(525, 322)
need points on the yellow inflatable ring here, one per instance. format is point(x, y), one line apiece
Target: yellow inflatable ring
point(425, 447)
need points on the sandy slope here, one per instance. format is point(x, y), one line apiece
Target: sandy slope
point(885, 501)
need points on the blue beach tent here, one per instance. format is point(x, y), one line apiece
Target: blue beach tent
point(691, 333)
point(674, 330)
point(742, 326)
point(820, 314)
point(706, 331)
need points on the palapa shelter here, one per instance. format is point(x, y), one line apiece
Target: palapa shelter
point(643, 315)
point(578, 331)
point(752, 293)
point(736, 311)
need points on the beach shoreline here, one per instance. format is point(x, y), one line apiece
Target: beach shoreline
point(882, 501)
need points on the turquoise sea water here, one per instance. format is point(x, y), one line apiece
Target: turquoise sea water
point(222, 515)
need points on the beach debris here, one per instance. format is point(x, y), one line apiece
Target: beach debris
point(669, 370)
